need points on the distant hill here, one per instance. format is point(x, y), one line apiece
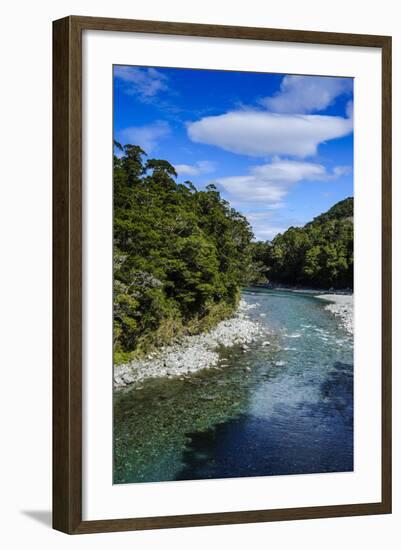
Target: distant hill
point(320, 254)
point(341, 210)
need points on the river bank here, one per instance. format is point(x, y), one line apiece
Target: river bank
point(306, 290)
point(278, 409)
point(342, 306)
point(192, 353)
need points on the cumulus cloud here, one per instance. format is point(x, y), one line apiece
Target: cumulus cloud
point(261, 193)
point(143, 82)
point(200, 167)
point(349, 109)
point(306, 94)
point(267, 232)
point(146, 137)
point(339, 171)
point(260, 133)
point(266, 224)
point(270, 183)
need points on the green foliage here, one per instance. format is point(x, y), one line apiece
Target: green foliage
point(261, 259)
point(320, 254)
point(340, 211)
point(180, 255)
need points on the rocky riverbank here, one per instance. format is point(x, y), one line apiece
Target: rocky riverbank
point(192, 353)
point(342, 306)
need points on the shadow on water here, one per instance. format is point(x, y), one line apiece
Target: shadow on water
point(285, 408)
point(153, 422)
point(339, 390)
point(307, 438)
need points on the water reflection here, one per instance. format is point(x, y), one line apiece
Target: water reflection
point(282, 409)
point(153, 424)
point(306, 436)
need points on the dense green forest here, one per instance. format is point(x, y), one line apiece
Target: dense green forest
point(320, 254)
point(180, 255)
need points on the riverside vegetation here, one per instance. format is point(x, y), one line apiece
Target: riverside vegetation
point(319, 255)
point(181, 255)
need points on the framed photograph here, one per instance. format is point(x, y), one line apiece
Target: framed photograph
point(222, 275)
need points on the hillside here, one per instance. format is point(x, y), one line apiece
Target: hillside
point(340, 211)
point(320, 254)
point(180, 255)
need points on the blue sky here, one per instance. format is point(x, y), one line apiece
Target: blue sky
point(278, 147)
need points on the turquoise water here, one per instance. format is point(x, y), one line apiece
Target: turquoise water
point(282, 408)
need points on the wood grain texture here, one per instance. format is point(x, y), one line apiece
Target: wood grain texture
point(226, 31)
point(67, 274)
point(67, 279)
point(386, 275)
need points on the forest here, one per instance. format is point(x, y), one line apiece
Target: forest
point(318, 255)
point(181, 255)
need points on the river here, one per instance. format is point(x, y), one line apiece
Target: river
point(280, 408)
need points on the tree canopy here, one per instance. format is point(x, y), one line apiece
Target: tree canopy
point(180, 254)
point(320, 254)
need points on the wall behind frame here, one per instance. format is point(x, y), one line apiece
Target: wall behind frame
point(25, 217)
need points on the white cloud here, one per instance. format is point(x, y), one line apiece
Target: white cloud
point(266, 224)
point(146, 137)
point(200, 167)
point(186, 170)
point(270, 183)
point(259, 133)
point(145, 83)
point(267, 232)
point(263, 226)
point(342, 170)
point(306, 94)
point(266, 186)
point(349, 109)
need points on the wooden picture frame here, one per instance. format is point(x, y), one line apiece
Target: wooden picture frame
point(67, 274)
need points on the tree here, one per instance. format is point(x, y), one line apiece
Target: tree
point(180, 255)
point(320, 254)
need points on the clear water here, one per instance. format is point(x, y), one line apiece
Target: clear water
point(283, 408)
